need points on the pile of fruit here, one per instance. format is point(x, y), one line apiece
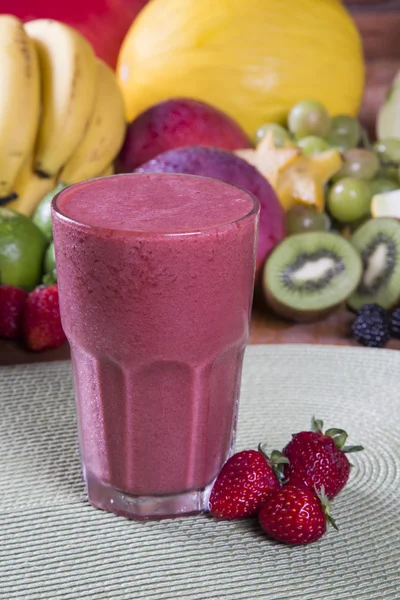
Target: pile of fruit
point(35, 316)
point(289, 492)
point(251, 59)
point(321, 184)
point(333, 185)
point(29, 278)
point(61, 110)
point(61, 121)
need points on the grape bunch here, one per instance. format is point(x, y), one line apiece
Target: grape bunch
point(367, 170)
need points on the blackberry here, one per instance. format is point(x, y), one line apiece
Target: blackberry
point(372, 309)
point(371, 328)
point(395, 323)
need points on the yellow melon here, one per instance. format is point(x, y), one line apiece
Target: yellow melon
point(253, 59)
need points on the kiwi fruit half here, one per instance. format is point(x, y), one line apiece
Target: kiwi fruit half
point(378, 242)
point(309, 274)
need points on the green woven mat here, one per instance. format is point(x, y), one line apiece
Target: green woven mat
point(54, 545)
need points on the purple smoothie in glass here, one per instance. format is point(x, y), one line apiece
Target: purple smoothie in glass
point(155, 274)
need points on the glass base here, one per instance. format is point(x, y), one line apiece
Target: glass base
point(141, 508)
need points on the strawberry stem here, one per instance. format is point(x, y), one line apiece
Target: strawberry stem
point(263, 449)
point(331, 521)
point(349, 449)
point(326, 506)
point(276, 461)
point(317, 425)
point(339, 436)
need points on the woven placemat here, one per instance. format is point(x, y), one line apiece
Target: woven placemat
point(54, 545)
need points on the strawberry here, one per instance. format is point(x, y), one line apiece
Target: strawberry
point(12, 300)
point(295, 516)
point(245, 481)
point(318, 459)
point(42, 323)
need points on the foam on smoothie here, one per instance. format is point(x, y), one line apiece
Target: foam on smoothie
point(156, 203)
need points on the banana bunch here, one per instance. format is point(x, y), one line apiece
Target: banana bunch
point(61, 111)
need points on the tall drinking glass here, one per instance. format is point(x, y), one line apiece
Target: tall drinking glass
point(155, 274)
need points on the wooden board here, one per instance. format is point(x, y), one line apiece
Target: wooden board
point(334, 330)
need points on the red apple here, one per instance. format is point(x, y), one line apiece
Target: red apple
point(213, 162)
point(103, 22)
point(176, 123)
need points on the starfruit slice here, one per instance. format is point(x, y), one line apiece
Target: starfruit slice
point(248, 154)
point(296, 186)
point(303, 181)
point(271, 161)
point(325, 164)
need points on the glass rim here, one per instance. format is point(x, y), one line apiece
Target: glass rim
point(54, 204)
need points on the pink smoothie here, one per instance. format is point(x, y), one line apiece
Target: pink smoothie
point(155, 275)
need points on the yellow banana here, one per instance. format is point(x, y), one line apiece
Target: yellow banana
point(19, 100)
point(105, 133)
point(68, 74)
point(30, 189)
point(109, 170)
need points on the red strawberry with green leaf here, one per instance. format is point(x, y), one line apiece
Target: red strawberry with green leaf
point(42, 322)
point(245, 481)
point(318, 459)
point(295, 516)
point(12, 301)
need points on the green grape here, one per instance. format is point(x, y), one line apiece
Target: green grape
point(379, 186)
point(313, 144)
point(308, 118)
point(349, 200)
point(301, 219)
point(358, 163)
point(344, 133)
point(281, 135)
point(388, 150)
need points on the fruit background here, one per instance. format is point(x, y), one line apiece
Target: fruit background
point(323, 158)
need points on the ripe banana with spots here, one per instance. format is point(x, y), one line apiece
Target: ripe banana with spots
point(19, 101)
point(30, 189)
point(68, 76)
point(105, 133)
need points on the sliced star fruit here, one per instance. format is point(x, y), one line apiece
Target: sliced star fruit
point(297, 185)
point(270, 160)
point(295, 178)
point(248, 154)
point(304, 180)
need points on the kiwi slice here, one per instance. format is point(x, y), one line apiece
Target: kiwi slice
point(309, 274)
point(378, 242)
